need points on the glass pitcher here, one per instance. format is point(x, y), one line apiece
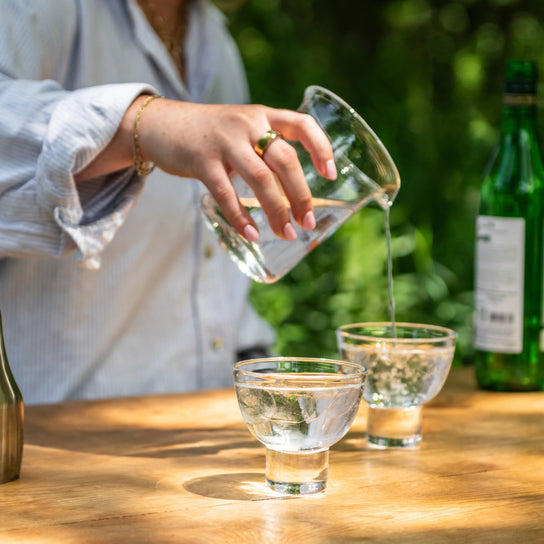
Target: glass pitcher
point(366, 173)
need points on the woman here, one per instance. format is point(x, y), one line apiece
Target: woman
point(163, 309)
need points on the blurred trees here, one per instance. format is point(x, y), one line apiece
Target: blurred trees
point(427, 76)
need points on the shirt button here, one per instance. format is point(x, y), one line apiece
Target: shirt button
point(208, 252)
point(217, 344)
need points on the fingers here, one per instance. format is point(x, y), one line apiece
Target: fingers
point(275, 175)
point(282, 159)
point(221, 188)
point(304, 128)
point(279, 184)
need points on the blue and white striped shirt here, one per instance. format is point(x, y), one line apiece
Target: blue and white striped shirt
point(157, 306)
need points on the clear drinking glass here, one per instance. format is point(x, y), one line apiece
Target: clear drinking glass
point(366, 173)
point(298, 407)
point(405, 369)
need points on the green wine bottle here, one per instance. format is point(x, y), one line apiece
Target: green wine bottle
point(509, 253)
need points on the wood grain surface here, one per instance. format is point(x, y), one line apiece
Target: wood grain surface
point(184, 468)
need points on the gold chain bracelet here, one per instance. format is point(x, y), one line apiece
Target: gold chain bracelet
point(142, 166)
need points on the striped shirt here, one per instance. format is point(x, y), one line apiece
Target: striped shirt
point(114, 287)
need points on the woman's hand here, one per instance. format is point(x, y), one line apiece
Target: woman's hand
point(212, 142)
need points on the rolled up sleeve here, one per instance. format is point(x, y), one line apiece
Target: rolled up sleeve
point(69, 147)
point(49, 135)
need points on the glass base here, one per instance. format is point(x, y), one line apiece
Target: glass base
point(381, 443)
point(297, 473)
point(394, 427)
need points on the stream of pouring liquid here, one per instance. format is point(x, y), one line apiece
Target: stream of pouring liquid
point(390, 270)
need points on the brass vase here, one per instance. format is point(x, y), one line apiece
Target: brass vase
point(11, 419)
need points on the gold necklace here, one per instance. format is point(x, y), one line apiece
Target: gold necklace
point(174, 42)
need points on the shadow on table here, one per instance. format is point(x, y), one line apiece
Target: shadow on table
point(241, 486)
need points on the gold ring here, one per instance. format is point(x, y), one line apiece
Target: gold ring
point(265, 140)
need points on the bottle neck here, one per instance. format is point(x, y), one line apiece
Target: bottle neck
point(520, 112)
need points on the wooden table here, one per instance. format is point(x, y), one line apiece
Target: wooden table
point(184, 468)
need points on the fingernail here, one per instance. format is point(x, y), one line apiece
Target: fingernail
point(289, 232)
point(330, 169)
point(251, 233)
point(308, 222)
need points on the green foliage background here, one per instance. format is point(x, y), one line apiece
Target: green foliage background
point(427, 75)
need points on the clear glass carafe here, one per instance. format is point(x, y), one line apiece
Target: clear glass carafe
point(366, 173)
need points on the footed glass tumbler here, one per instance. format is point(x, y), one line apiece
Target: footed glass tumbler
point(407, 366)
point(298, 408)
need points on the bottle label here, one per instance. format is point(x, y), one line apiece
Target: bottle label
point(500, 258)
point(519, 100)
